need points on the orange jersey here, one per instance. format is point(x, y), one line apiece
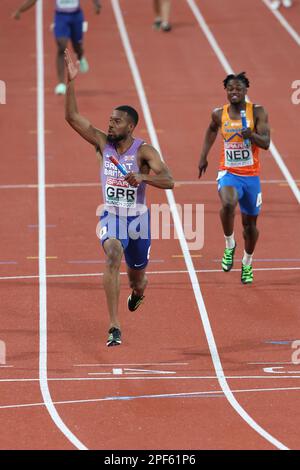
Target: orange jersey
point(236, 157)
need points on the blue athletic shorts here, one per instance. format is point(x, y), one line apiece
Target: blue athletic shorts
point(248, 189)
point(133, 233)
point(69, 25)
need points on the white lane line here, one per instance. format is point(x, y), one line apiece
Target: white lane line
point(283, 21)
point(270, 363)
point(43, 375)
point(50, 186)
point(189, 263)
point(208, 394)
point(182, 271)
point(94, 185)
point(131, 364)
point(228, 69)
point(186, 377)
point(126, 371)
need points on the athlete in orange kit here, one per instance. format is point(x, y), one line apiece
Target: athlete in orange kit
point(238, 177)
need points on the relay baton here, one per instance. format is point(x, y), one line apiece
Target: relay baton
point(118, 165)
point(244, 125)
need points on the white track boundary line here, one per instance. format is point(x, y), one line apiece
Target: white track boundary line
point(283, 21)
point(189, 263)
point(43, 375)
point(134, 364)
point(183, 271)
point(214, 394)
point(185, 377)
point(96, 185)
point(228, 69)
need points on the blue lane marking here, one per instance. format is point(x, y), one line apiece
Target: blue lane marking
point(179, 395)
point(99, 261)
point(279, 341)
point(265, 259)
point(36, 226)
point(8, 262)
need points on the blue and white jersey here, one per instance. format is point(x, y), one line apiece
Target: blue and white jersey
point(67, 6)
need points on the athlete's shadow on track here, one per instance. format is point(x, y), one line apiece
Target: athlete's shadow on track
point(231, 364)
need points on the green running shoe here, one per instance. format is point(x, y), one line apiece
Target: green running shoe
point(134, 301)
point(157, 24)
point(114, 337)
point(60, 89)
point(227, 261)
point(84, 65)
point(247, 274)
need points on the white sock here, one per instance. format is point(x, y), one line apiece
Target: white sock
point(247, 259)
point(229, 241)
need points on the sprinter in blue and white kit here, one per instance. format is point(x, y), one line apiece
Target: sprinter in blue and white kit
point(68, 25)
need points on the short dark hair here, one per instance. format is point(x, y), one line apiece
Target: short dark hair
point(132, 113)
point(240, 76)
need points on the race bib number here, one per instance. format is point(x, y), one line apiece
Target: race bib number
point(119, 194)
point(67, 4)
point(237, 154)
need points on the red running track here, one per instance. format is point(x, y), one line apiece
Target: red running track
point(159, 390)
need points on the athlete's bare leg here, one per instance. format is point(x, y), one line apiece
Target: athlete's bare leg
point(60, 60)
point(137, 280)
point(229, 198)
point(78, 49)
point(111, 279)
point(156, 6)
point(165, 10)
point(162, 9)
point(250, 232)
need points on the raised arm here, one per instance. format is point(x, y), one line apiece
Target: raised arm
point(162, 177)
point(24, 7)
point(210, 137)
point(79, 123)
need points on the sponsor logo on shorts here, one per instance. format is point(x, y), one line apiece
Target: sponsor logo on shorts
point(259, 200)
point(103, 232)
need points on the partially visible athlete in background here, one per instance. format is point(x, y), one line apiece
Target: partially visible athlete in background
point(162, 11)
point(238, 177)
point(68, 25)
